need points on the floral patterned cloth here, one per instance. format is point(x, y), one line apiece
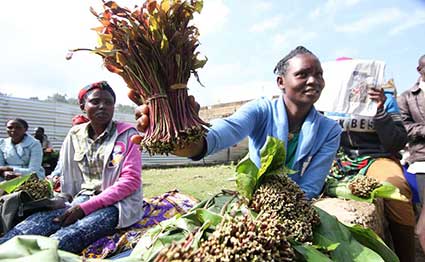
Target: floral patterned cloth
point(156, 209)
point(345, 168)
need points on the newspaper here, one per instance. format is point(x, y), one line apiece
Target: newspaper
point(346, 86)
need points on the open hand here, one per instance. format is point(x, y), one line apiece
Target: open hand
point(4, 169)
point(377, 95)
point(70, 216)
point(141, 114)
point(8, 175)
point(142, 124)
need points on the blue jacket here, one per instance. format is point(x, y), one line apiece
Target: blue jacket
point(317, 145)
point(24, 158)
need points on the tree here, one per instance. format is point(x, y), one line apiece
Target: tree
point(72, 101)
point(125, 109)
point(57, 98)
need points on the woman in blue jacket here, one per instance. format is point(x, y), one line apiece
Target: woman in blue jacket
point(20, 153)
point(311, 139)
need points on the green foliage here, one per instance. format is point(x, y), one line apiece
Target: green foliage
point(62, 98)
point(311, 254)
point(125, 109)
point(337, 188)
point(273, 155)
point(246, 177)
point(175, 229)
point(10, 185)
point(332, 231)
point(333, 241)
point(369, 238)
point(56, 97)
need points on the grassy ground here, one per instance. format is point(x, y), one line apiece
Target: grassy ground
point(200, 182)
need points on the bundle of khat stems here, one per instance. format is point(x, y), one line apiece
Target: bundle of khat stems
point(153, 48)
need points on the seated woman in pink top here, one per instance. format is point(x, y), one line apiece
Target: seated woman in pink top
point(101, 169)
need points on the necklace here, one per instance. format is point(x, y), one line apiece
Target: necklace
point(290, 136)
point(293, 132)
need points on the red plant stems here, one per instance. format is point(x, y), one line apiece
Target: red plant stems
point(153, 48)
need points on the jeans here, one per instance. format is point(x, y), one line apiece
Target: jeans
point(73, 238)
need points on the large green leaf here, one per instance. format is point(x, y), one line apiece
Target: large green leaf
point(272, 160)
point(336, 188)
point(175, 229)
point(339, 188)
point(203, 215)
point(200, 234)
point(311, 254)
point(10, 185)
point(369, 238)
point(272, 156)
point(217, 202)
point(246, 177)
point(349, 249)
point(389, 191)
point(34, 248)
point(148, 246)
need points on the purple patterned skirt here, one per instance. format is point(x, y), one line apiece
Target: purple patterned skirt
point(157, 209)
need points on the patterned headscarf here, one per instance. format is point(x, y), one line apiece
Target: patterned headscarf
point(79, 119)
point(98, 85)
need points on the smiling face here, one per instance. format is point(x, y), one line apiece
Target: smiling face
point(16, 131)
point(303, 81)
point(99, 106)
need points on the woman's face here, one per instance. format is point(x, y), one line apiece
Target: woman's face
point(99, 106)
point(15, 130)
point(303, 81)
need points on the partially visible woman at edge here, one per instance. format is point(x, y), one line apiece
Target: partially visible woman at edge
point(20, 153)
point(101, 168)
point(311, 139)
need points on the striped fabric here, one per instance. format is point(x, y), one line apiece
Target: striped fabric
point(344, 167)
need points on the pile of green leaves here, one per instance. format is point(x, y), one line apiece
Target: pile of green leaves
point(153, 48)
point(339, 188)
point(12, 185)
point(333, 241)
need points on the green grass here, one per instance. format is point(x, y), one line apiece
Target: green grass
point(200, 182)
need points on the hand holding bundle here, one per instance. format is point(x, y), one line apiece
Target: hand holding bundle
point(153, 48)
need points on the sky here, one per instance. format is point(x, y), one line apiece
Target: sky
point(242, 39)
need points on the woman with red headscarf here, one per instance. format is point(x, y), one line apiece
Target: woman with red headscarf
point(100, 168)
